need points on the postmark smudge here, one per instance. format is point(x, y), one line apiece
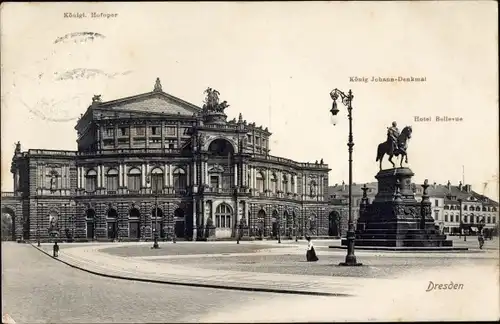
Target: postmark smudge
point(79, 37)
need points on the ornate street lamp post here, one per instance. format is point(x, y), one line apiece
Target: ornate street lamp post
point(155, 231)
point(350, 259)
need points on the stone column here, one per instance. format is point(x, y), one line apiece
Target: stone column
point(103, 176)
point(195, 221)
point(99, 182)
point(78, 178)
point(236, 175)
point(146, 132)
point(165, 175)
point(206, 173)
point(130, 138)
point(125, 178)
point(143, 175)
point(268, 180)
point(162, 134)
point(254, 178)
point(120, 176)
point(170, 176)
point(194, 173)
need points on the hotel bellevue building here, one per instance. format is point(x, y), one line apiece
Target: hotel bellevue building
point(155, 165)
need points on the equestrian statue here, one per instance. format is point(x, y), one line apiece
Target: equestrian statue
point(395, 145)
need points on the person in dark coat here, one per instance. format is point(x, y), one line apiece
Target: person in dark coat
point(55, 250)
point(311, 253)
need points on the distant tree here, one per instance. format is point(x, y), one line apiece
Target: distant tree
point(6, 227)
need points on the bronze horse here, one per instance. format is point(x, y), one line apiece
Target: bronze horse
point(385, 148)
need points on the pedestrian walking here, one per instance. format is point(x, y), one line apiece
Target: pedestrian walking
point(480, 238)
point(311, 253)
point(55, 250)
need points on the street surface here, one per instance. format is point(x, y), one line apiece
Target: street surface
point(37, 289)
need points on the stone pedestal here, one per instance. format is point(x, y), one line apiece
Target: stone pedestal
point(395, 218)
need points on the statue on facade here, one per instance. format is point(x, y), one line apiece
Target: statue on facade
point(157, 85)
point(212, 98)
point(53, 181)
point(53, 224)
point(395, 145)
point(212, 101)
point(222, 106)
point(18, 147)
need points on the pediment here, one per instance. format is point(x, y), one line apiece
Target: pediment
point(216, 169)
point(157, 103)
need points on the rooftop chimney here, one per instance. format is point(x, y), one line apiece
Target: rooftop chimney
point(448, 185)
point(434, 185)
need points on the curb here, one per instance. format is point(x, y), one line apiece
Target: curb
point(198, 285)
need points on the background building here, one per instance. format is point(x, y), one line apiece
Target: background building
point(155, 163)
point(444, 200)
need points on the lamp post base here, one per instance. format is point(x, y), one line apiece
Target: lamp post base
point(350, 261)
point(350, 264)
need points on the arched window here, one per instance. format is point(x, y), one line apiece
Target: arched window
point(112, 180)
point(223, 216)
point(285, 183)
point(180, 179)
point(484, 208)
point(259, 177)
point(91, 181)
point(134, 179)
point(465, 207)
point(156, 180)
point(478, 208)
point(273, 182)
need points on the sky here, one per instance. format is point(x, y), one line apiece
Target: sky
point(275, 63)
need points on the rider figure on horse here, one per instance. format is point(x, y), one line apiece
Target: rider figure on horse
point(392, 137)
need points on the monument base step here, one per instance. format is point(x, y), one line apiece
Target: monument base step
point(403, 248)
point(403, 243)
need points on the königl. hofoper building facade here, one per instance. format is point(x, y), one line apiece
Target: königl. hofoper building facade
point(153, 164)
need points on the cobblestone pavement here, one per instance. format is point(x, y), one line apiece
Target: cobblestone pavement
point(38, 289)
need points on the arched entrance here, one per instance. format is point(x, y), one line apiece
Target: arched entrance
point(334, 224)
point(157, 222)
point(179, 220)
point(134, 223)
point(275, 224)
point(260, 223)
point(8, 225)
point(288, 224)
point(91, 220)
point(221, 147)
point(111, 224)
